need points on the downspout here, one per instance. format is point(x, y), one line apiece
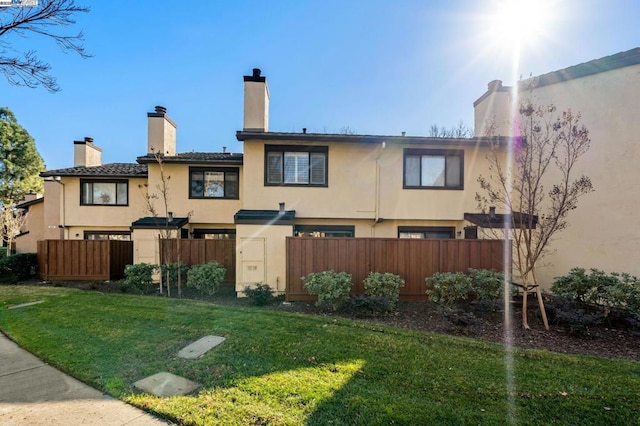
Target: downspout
point(62, 207)
point(377, 219)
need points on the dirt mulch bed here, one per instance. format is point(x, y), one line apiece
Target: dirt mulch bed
point(622, 342)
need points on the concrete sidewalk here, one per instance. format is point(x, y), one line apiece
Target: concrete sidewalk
point(34, 393)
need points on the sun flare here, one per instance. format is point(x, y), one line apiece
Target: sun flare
point(518, 22)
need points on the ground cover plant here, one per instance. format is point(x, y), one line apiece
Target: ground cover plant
point(282, 368)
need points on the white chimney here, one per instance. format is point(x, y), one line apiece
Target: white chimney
point(256, 103)
point(86, 154)
point(161, 133)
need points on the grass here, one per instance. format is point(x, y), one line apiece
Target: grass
point(287, 369)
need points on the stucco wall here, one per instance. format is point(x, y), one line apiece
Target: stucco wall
point(213, 210)
point(99, 217)
point(601, 231)
point(28, 243)
point(352, 182)
point(261, 255)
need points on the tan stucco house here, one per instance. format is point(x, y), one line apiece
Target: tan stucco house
point(601, 233)
point(344, 185)
point(297, 184)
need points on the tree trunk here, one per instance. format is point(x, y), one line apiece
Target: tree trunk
point(543, 311)
point(178, 251)
point(525, 295)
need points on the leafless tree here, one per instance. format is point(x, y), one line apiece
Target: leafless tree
point(461, 130)
point(12, 221)
point(43, 19)
point(539, 187)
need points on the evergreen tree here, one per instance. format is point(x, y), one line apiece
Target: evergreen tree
point(20, 162)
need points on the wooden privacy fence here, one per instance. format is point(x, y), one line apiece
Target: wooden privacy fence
point(197, 251)
point(77, 260)
point(411, 259)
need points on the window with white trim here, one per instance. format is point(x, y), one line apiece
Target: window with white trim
point(296, 165)
point(433, 169)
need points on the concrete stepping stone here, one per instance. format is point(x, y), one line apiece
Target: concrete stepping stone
point(200, 347)
point(22, 305)
point(166, 384)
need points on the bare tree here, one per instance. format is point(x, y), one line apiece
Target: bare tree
point(460, 130)
point(12, 221)
point(43, 19)
point(545, 153)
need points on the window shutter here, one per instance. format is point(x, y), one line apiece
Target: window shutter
point(318, 172)
point(296, 167)
point(274, 167)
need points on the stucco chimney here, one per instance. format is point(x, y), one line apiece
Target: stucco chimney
point(86, 154)
point(256, 102)
point(161, 133)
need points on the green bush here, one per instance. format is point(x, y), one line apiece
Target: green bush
point(616, 291)
point(332, 288)
point(364, 305)
point(387, 285)
point(260, 295)
point(139, 277)
point(171, 269)
point(18, 267)
point(448, 288)
point(206, 277)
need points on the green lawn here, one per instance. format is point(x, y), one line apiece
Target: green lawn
point(280, 368)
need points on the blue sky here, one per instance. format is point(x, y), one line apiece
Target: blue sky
point(378, 67)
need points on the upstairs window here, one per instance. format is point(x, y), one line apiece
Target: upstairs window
point(213, 183)
point(104, 192)
point(433, 169)
point(296, 165)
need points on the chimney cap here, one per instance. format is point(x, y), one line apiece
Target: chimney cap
point(256, 76)
point(160, 109)
point(88, 139)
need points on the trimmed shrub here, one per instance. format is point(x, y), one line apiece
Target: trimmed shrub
point(386, 286)
point(18, 267)
point(614, 292)
point(488, 284)
point(206, 277)
point(138, 277)
point(365, 305)
point(571, 316)
point(332, 288)
point(448, 288)
point(171, 269)
point(260, 295)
